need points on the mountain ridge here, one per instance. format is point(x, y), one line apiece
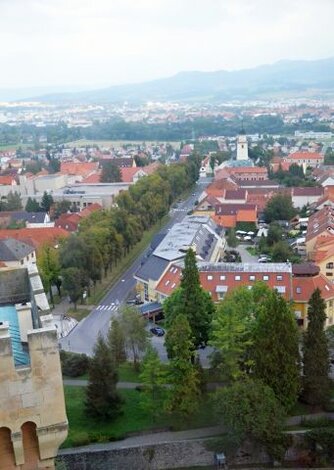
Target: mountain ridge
point(282, 76)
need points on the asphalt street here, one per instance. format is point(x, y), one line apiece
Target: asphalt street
point(83, 337)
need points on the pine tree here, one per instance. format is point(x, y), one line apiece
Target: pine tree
point(102, 399)
point(192, 301)
point(32, 205)
point(116, 343)
point(47, 201)
point(184, 393)
point(316, 383)
point(275, 350)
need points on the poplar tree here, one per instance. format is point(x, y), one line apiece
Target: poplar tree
point(191, 301)
point(102, 399)
point(184, 379)
point(116, 343)
point(153, 380)
point(316, 366)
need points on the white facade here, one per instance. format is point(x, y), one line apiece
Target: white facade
point(242, 147)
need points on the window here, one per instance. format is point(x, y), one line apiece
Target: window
point(21, 262)
point(280, 289)
point(252, 278)
point(329, 266)
point(167, 283)
point(237, 278)
point(210, 277)
point(32, 255)
point(265, 278)
point(222, 278)
point(298, 290)
point(279, 278)
point(329, 274)
point(173, 285)
point(331, 303)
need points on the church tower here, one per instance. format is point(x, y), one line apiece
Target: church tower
point(242, 146)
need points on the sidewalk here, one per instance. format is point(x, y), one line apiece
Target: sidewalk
point(148, 439)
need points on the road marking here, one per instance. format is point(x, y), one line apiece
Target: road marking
point(98, 307)
point(110, 307)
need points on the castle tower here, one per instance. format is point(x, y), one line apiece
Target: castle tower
point(242, 146)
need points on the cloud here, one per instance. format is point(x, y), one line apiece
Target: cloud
point(93, 42)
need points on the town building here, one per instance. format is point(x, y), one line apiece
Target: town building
point(320, 226)
point(199, 233)
point(306, 277)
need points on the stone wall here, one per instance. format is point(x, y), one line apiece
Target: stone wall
point(154, 457)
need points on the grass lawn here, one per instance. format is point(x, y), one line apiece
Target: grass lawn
point(83, 429)
point(126, 373)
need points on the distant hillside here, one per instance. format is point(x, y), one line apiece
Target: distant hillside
point(284, 77)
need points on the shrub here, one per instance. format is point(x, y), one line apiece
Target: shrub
point(73, 364)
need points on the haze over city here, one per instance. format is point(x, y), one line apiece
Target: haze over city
point(86, 44)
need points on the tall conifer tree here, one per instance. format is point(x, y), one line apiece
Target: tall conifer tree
point(102, 399)
point(191, 301)
point(316, 384)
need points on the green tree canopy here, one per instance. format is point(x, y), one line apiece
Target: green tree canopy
point(251, 411)
point(279, 207)
point(316, 383)
point(102, 399)
point(110, 172)
point(275, 349)
point(184, 378)
point(153, 379)
point(134, 331)
point(116, 341)
point(192, 301)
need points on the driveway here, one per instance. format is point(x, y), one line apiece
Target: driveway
point(245, 256)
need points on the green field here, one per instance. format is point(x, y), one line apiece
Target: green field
point(84, 430)
point(14, 146)
point(116, 143)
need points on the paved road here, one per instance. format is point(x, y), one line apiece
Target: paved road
point(246, 257)
point(83, 337)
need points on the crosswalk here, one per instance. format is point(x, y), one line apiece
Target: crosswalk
point(180, 210)
point(111, 307)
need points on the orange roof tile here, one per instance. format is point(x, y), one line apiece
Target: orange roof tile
point(303, 287)
point(35, 236)
point(306, 156)
point(78, 169)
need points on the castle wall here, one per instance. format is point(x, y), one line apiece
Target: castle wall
point(32, 404)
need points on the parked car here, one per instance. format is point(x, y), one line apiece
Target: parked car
point(131, 302)
point(157, 331)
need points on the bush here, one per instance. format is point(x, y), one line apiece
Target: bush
point(73, 364)
point(321, 442)
point(81, 439)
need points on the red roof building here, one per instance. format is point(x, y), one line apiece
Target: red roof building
point(36, 236)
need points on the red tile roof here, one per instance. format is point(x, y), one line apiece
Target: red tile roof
point(303, 287)
point(94, 178)
point(35, 236)
point(90, 209)
point(78, 169)
point(7, 180)
point(306, 156)
point(308, 191)
point(235, 194)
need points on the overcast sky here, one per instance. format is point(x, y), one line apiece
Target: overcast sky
point(95, 43)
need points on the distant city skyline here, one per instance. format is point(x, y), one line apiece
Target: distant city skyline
point(93, 44)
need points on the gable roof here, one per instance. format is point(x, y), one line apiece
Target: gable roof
point(79, 169)
point(14, 250)
point(30, 217)
point(308, 191)
point(35, 236)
